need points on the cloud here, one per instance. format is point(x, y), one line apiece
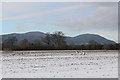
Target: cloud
point(11, 8)
point(103, 20)
point(104, 17)
point(93, 17)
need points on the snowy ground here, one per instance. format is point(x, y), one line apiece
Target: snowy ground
point(60, 64)
point(0, 65)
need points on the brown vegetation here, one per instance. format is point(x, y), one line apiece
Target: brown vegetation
point(55, 41)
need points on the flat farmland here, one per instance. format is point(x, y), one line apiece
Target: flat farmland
point(60, 64)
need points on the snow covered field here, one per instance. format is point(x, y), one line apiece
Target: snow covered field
point(60, 64)
point(0, 65)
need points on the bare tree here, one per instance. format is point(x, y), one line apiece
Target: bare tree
point(10, 42)
point(93, 44)
point(24, 43)
point(58, 39)
point(0, 42)
point(47, 39)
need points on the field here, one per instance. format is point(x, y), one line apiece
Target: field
point(60, 64)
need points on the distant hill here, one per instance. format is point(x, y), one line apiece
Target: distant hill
point(85, 38)
point(77, 40)
point(30, 36)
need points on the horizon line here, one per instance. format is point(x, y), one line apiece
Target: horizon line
point(56, 31)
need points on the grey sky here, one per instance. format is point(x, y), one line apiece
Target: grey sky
point(73, 18)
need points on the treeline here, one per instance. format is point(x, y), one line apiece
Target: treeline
point(55, 41)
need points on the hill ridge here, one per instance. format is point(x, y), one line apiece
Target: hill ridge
point(79, 39)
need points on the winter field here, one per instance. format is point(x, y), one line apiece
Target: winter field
point(60, 64)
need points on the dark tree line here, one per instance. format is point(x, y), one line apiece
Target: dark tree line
point(55, 41)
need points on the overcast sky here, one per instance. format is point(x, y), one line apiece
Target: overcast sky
point(72, 18)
